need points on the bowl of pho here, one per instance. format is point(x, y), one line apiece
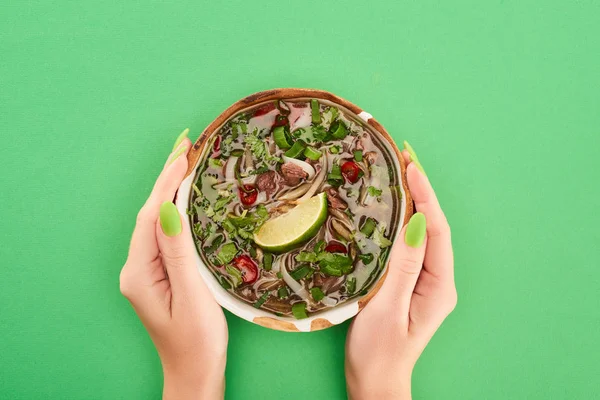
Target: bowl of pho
point(294, 198)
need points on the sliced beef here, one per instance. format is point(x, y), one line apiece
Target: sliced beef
point(334, 200)
point(292, 173)
point(267, 182)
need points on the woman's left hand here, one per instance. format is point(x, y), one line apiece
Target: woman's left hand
point(161, 280)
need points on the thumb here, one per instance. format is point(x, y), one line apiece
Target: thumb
point(177, 251)
point(405, 265)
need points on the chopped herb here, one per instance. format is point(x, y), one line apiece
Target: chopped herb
point(263, 168)
point(268, 261)
point(351, 285)
point(280, 275)
point(237, 153)
point(215, 163)
point(366, 258)
point(282, 293)
point(358, 155)
point(379, 237)
point(317, 293)
point(214, 245)
point(235, 274)
point(227, 253)
point(192, 210)
point(222, 202)
point(303, 271)
point(306, 256)
point(368, 227)
point(252, 251)
point(334, 264)
point(373, 191)
point(299, 310)
point(261, 300)
point(319, 133)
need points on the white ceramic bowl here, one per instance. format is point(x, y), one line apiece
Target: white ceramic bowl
point(328, 317)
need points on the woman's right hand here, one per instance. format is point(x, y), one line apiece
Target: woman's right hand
point(387, 337)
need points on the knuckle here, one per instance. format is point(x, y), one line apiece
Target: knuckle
point(410, 266)
point(143, 215)
point(176, 258)
point(125, 285)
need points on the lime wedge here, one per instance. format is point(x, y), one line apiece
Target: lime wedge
point(289, 230)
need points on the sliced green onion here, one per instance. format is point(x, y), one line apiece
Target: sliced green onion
point(237, 152)
point(358, 155)
point(312, 153)
point(320, 246)
point(334, 178)
point(224, 282)
point(261, 300)
point(334, 149)
point(303, 271)
point(282, 293)
point(297, 149)
point(317, 293)
point(299, 310)
point(338, 130)
point(267, 261)
point(368, 227)
point(282, 137)
point(316, 114)
point(351, 285)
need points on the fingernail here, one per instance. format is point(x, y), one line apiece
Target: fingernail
point(181, 138)
point(416, 229)
point(170, 221)
point(177, 154)
point(418, 165)
point(411, 151)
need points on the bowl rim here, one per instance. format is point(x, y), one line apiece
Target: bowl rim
point(328, 317)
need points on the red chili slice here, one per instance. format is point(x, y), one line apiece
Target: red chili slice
point(217, 147)
point(262, 110)
point(351, 171)
point(336, 247)
point(248, 268)
point(280, 120)
point(248, 194)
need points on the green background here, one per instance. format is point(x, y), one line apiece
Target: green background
point(499, 98)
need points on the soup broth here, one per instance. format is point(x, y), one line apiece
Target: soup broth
point(268, 160)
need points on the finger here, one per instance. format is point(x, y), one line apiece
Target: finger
point(406, 156)
point(179, 255)
point(439, 259)
point(143, 245)
point(405, 265)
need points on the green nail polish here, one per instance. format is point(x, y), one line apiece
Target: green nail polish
point(177, 154)
point(169, 219)
point(411, 151)
point(180, 138)
point(418, 165)
point(416, 229)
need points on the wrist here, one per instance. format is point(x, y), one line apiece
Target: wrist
point(383, 385)
point(182, 385)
